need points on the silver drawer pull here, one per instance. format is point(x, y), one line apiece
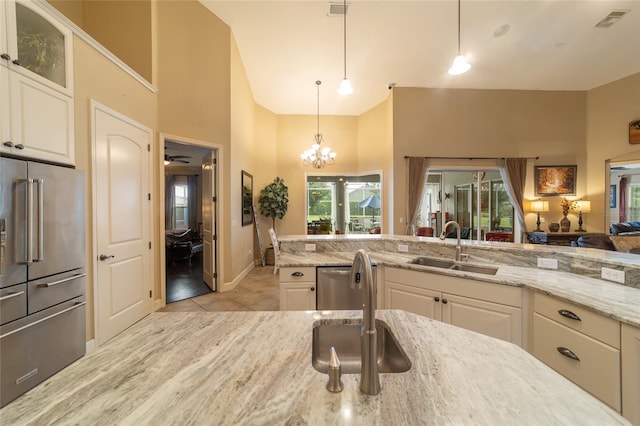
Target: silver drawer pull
point(297, 274)
point(568, 353)
point(569, 314)
point(76, 305)
point(11, 295)
point(64, 280)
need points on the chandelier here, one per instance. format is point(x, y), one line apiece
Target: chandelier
point(317, 156)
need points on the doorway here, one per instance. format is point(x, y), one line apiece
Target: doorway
point(189, 215)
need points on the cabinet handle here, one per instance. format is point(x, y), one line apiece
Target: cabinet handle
point(297, 274)
point(445, 301)
point(568, 353)
point(8, 144)
point(312, 289)
point(19, 146)
point(11, 295)
point(5, 56)
point(17, 62)
point(569, 314)
point(437, 299)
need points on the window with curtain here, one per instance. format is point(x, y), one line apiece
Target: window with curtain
point(181, 203)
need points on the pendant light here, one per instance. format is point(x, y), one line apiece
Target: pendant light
point(318, 157)
point(345, 86)
point(460, 64)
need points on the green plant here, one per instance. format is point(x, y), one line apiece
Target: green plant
point(274, 200)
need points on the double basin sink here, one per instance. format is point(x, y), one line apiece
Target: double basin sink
point(458, 266)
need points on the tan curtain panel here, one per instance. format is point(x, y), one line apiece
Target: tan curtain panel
point(513, 172)
point(417, 171)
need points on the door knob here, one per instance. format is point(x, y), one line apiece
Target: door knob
point(104, 257)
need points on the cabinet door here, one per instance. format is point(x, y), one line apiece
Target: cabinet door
point(41, 121)
point(299, 296)
point(631, 373)
point(492, 319)
point(412, 299)
point(5, 117)
point(39, 46)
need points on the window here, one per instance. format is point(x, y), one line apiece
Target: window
point(453, 195)
point(343, 204)
point(181, 204)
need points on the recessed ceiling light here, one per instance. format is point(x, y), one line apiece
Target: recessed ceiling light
point(501, 30)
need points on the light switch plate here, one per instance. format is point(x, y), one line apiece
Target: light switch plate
point(612, 275)
point(309, 247)
point(546, 263)
point(403, 248)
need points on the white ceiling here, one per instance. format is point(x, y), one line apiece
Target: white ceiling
point(286, 46)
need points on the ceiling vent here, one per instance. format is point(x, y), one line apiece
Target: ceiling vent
point(338, 9)
point(612, 18)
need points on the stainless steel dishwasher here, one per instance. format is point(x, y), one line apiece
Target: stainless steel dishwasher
point(334, 289)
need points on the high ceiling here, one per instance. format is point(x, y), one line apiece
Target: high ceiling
point(286, 46)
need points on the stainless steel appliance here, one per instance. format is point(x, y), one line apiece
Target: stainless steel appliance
point(334, 289)
point(42, 273)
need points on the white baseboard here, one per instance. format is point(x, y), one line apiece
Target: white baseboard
point(233, 284)
point(91, 346)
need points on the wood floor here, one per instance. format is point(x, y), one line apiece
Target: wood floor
point(258, 291)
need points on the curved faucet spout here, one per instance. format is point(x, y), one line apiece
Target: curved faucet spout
point(369, 377)
point(458, 245)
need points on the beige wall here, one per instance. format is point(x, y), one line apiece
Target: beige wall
point(488, 123)
point(123, 94)
point(610, 108)
point(123, 27)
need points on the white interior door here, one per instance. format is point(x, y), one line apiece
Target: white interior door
point(123, 237)
point(209, 219)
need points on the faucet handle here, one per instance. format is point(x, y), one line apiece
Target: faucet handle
point(335, 372)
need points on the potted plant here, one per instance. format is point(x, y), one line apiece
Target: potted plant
point(274, 200)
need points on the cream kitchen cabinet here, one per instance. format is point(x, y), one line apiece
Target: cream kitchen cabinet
point(491, 309)
point(298, 289)
point(631, 373)
point(580, 344)
point(37, 84)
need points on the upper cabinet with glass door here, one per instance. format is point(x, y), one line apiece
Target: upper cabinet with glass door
point(36, 77)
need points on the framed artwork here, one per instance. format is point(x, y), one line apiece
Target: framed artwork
point(247, 198)
point(612, 196)
point(555, 180)
point(634, 132)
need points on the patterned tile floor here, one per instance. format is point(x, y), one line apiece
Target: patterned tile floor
point(258, 291)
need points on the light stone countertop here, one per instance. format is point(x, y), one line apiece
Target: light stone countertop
point(616, 301)
point(254, 368)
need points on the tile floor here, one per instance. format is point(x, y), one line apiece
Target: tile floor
point(258, 291)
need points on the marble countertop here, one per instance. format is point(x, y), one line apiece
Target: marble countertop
point(254, 368)
point(616, 301)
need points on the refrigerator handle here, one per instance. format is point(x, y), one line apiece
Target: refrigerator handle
point(29, 259)
point(40, 220)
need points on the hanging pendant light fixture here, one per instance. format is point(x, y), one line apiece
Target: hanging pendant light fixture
point(345, 86)
point(317, 156)
point(460, 64)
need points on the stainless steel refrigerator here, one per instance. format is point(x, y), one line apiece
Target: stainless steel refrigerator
point(42, 273)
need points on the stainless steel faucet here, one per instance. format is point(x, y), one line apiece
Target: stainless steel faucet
point(444, 233)
point(362, 271)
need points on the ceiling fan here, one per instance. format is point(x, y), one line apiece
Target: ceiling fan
point(175, 158)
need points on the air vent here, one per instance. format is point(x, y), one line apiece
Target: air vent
point(337, 9)
point(612, 18)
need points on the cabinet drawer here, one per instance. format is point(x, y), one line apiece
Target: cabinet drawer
point(290, 275)
point(598, 368)
point(13, 303)
point(598, 326)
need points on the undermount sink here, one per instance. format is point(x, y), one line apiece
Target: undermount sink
point(458, 266)
point(345, 338)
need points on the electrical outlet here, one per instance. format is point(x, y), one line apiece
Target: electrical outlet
point(403, 248)
point(612, 275)
point(546, 263)
point(309, 247)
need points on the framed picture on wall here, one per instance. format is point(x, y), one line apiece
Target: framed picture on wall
point(247, 198)
point(634, 132)
point(555, 180)
point(612, 196)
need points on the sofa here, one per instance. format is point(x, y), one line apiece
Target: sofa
point(622, 228)
point(627, 242)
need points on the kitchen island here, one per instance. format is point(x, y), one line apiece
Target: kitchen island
point(254, 368)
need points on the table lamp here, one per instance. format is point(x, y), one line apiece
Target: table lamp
point(539, 206)
point(581, 206)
